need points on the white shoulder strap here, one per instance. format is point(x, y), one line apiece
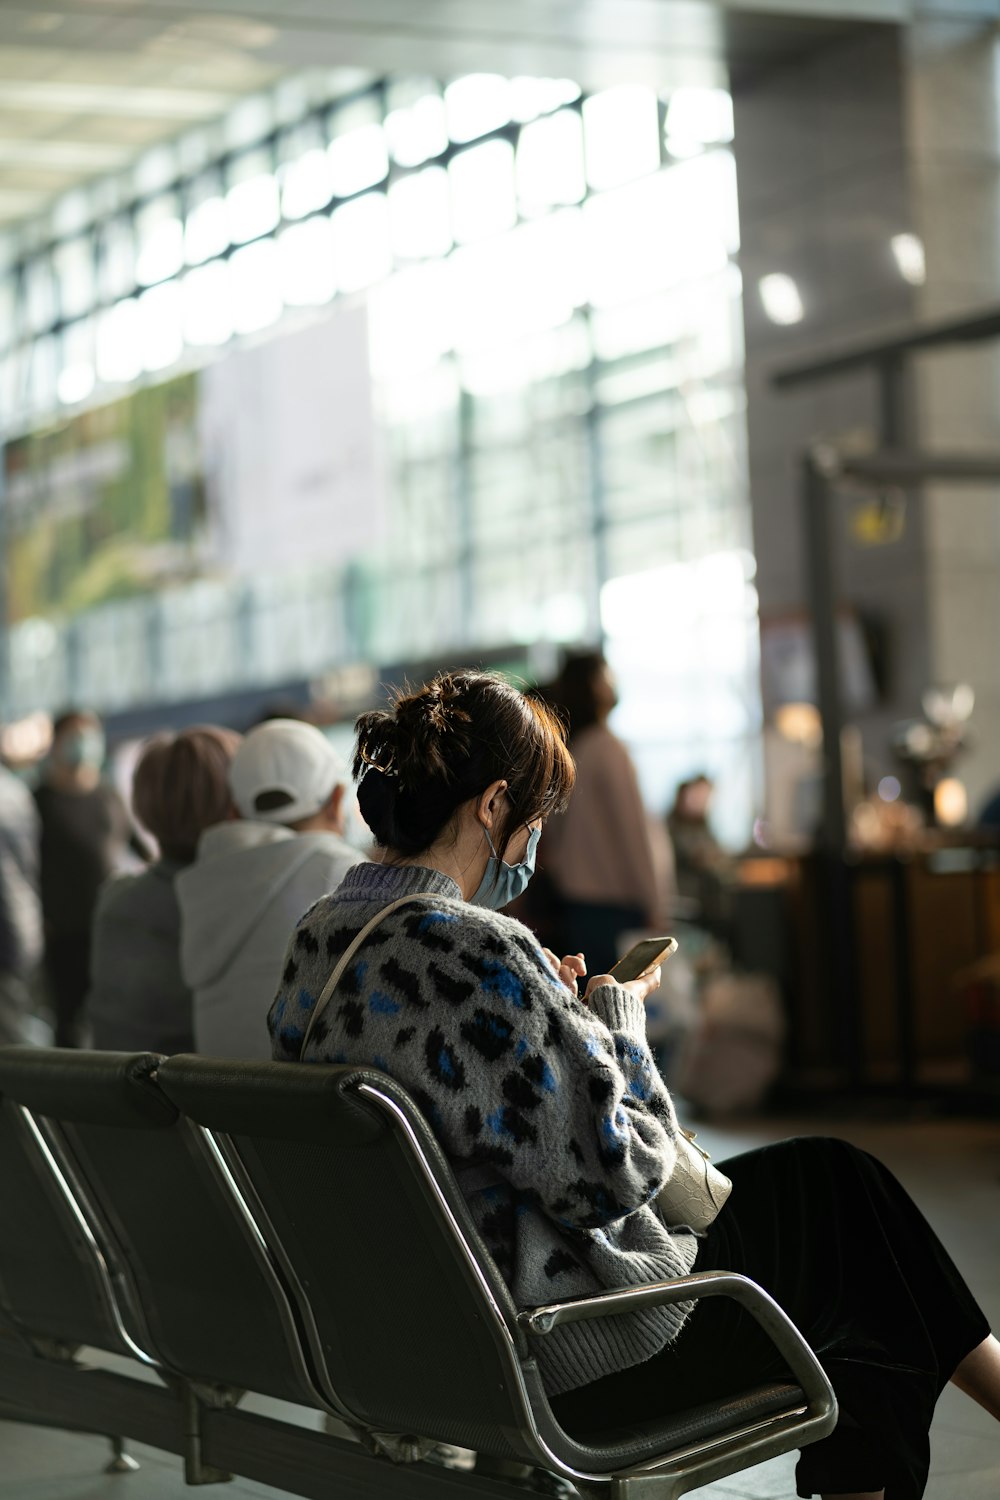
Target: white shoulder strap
point(345, 958)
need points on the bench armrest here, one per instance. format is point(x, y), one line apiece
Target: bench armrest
point(776, 1323)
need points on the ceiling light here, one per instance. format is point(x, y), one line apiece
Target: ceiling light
point(87, 155)
point(908, 250)
point(781, 298)
point(99, 99)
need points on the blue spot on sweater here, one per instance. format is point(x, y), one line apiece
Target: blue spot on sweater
point(495, 1122)
point(306, 1001)
point(446, 1063)
point(384, 1005)
point(433, 918)
point(499, 980)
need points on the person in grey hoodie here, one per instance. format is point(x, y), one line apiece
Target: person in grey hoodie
point(254, 878)
point(138, 1000)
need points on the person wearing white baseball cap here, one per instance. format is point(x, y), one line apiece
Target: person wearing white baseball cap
point(255, 876)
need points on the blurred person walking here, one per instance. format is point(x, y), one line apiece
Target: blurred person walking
point(609, 864)
point(86, 832)
point(138, 999)
point(20, 904)
point(253, 879)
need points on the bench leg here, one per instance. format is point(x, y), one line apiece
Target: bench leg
point(122, 1462)
point(196, 1471)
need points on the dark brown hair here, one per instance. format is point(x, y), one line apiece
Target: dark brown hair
point(446, 743)
point(181, 786)
point(574, 693)
point(72, 718)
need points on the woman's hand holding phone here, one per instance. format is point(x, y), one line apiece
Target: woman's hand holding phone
point(633, 971)
point(641, 988)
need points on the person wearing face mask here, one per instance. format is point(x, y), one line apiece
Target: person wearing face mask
point(85, 832)
point(562, 1134)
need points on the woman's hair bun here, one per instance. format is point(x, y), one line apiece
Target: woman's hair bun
point(408, 760)
point(432, 731)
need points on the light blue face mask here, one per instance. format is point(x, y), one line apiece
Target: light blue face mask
point(84, 748)
point(503, 883)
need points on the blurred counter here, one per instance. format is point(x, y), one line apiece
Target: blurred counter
point(871, 968)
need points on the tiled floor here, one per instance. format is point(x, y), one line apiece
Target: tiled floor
point(953, 1170)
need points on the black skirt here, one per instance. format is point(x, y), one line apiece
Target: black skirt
point(841, 1246)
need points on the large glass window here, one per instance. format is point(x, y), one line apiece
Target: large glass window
point(554, 350)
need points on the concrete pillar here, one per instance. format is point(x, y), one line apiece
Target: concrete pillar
point(953, 119)
point(895, 131)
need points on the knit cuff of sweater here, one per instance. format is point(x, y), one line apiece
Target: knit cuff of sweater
point(619, 1009)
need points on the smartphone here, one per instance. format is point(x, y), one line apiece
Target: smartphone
point(643, 957)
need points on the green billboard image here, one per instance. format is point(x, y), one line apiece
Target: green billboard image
point(106, 504)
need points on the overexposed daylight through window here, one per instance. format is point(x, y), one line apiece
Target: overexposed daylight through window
point(519, 305)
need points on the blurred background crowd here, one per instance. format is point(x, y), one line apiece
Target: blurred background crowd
point(652, 363)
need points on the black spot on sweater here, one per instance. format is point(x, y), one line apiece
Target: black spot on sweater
point(494, 1156)
point(517, 1126)
point(454, 991)
point(560, 1261)
point(553, 1031)
point(353, 1014)
point(443, 1062)
point(535, 1068)
point(518, 1091)
point(491, 1034)
point(599, 1088)
point(405, 981)
point(428, 933)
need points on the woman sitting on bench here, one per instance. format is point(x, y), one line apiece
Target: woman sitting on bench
point(562, 1133)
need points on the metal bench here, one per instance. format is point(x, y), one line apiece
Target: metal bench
point(312, 1208)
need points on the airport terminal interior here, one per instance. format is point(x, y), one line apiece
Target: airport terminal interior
point(644, 356)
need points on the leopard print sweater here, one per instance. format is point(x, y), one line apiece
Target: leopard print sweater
point(552, 1113)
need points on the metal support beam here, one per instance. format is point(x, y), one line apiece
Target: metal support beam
point(892, 400)
point(821, 582)
point(902, 467)
point(837, 928)
point(862, 355)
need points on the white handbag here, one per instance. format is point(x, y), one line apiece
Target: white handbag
point(695, 1191)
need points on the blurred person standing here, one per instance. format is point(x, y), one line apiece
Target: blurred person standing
point(700, 858)
point(254, 878)
point(86, 832)
point(20, 904)
point(609, 864)
point(138, 999)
